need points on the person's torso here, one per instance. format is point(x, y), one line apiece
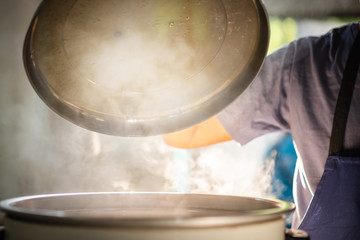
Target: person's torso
point(315, 83)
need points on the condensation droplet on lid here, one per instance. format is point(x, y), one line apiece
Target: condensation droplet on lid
point(117, 34)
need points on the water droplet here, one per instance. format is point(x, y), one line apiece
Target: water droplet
point(187, 18)
point(117, 34)
point(171, 24)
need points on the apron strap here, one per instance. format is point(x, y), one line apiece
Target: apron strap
point(344, 98)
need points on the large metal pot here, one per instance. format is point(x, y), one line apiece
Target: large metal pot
point(140, 216)
point(144, 67)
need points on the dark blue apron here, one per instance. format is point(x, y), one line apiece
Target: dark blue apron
point(334, 212)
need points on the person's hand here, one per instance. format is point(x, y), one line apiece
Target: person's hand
point(206, 133)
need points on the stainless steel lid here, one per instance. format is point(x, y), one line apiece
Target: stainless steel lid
point(144, 209)
point(144, 67)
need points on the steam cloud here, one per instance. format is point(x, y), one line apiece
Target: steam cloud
point(43, 153)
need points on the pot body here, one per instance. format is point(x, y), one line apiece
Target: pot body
point(28, 230)
point(143, 216)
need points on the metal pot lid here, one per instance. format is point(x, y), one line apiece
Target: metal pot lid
point(142, 209)
point(144, 67)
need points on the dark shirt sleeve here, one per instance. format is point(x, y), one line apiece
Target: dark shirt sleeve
point(263, 107)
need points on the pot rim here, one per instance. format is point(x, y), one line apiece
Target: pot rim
point(277, 209)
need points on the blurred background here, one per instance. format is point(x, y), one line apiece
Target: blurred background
point(42, 153)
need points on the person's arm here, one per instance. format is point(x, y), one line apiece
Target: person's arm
point(204, 134)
